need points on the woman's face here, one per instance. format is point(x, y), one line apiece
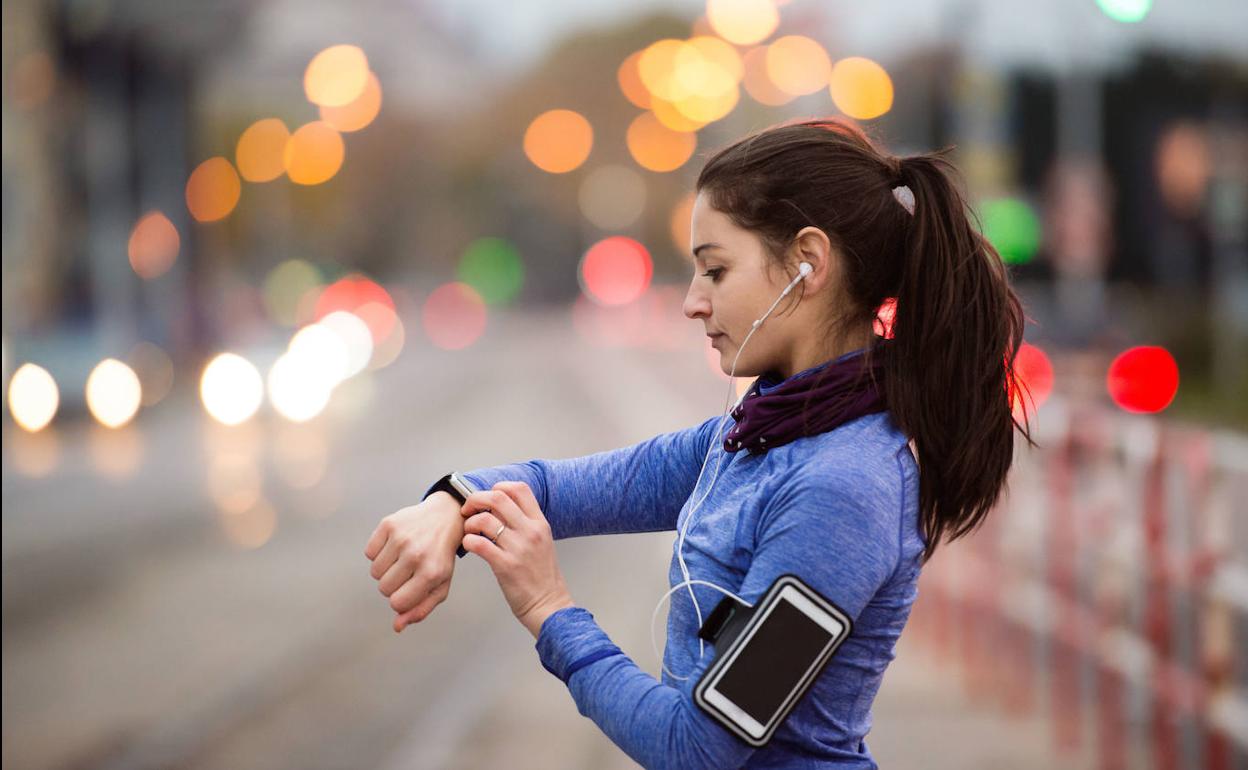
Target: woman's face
point(731, 288)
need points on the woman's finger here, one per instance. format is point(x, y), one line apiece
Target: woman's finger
point(495, 501)
point(523, 497)
point(412, 593)
point(484, 524)
point(384, 560)
point(422, 610)
point(484, 547)
point(396, 576)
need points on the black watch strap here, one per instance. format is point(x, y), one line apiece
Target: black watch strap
point(444, 485)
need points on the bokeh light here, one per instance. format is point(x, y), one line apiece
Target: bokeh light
point(313, 154)
point(33, 397)
point(629, 78)
point(1183, 168)
point(353, 292)
point(884, 315)
point(681, 224)
point(1034, 374)
point(612, 197)
point(493, 268)
point(213, 190)
point(153, 245)
point(360, 112)
point(1012, 227)
point(454, 316)
point(387, 348)
point(1127, 11)
point(336, 76)
point(261, 150)
point(671, 116)
point(154, 369)
point(798, 65)
point(558, 141)
point(233, 480)
point(743, 22)
point(656, 147)
point(861, 88)
point(285, 285)
point(231, 389)
point(356, 337)
point(298, 386)
point(251, 528)
point(113, 393)
point(115, 454)
point(326, 353)
point(615, 271)
point(757, 80)
point(1143, 379)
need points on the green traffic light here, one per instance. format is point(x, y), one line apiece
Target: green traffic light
point(1126, 11)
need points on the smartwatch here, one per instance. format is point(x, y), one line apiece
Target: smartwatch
point(459, 488)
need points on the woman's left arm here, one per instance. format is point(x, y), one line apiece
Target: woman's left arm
point(835, 540)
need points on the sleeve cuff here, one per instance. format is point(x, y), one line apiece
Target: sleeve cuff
point(569, 640)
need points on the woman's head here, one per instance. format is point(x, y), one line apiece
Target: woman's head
point(819, 191)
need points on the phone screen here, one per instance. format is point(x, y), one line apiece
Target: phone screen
point(773, 661)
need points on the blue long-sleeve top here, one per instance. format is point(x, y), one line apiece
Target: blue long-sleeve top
point(838, 509)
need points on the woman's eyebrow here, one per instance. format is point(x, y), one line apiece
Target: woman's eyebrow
point(705, 246)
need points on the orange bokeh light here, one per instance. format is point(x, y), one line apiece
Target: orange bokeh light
point(681, 222)
point(656, 147)
point(213, 190)
point(360, 112)
point(314, 153)
point(798, 65)
point(743, 22)
point(154, 244)
point(336, 76)
point(454, 316)
point(261, 150)
point(861, 88)
point(629, 79)
point(757, 81)
point(558, 141)
point(616, 270)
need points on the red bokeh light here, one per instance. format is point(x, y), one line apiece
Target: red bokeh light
point(1143, 379)
point(616, 271)
point(352, 293)
point(883, 323)
point(1034, 373)
point(454, 316)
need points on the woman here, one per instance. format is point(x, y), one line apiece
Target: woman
point(829, 486)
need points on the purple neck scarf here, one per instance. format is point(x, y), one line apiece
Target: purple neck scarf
point(830, 394)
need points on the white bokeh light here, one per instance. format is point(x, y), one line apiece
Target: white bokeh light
point(33, 397)
point(231, 389)
point(355, 336)
point(113, 393)
point(298, 387)
point(324, 349)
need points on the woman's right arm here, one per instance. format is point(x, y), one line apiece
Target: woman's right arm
point(637, 488)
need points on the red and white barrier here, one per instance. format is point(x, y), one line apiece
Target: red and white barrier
point(1108, 591)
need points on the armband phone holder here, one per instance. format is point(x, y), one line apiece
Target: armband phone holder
point(767, 656)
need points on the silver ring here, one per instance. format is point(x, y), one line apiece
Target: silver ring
point(499, 533)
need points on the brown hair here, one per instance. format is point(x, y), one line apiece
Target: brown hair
point(949, 365)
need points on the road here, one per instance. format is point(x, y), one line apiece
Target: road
point(145, 628)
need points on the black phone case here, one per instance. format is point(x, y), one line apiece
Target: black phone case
point(729, 620)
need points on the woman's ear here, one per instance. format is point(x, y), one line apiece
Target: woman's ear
point(813, 245)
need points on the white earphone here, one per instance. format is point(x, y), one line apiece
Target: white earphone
point(804, 269)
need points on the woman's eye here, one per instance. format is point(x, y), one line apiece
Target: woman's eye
point(714, 274)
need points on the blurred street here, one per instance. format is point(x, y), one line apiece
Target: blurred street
point(137, 634)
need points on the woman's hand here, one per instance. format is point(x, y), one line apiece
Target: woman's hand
point(523, 556)
point(413, 555)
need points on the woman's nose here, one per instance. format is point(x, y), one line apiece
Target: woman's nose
point(696, 305)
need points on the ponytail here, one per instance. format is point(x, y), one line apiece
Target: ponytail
point(956, 331)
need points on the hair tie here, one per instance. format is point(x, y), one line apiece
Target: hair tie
point(905, 197)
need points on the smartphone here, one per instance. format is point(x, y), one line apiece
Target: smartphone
point(772, 658)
